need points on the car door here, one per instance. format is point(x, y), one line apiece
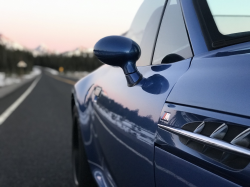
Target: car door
point(125, 118)
point(205, 120)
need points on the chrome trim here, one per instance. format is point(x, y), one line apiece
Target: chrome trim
point(243, 139)
point(207, 140)
point(199, 128)
point(220, 132)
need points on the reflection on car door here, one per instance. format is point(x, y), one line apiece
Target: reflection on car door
point(126, 117)
point(126, 120)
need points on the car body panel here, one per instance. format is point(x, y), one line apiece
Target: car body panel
point(193, 27)
point(216, 81)
point(119, 124)
point(171, 143)
point(174, 171)
point(120, 144)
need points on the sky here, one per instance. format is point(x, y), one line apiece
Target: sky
point(234, 17)
point(64, 25)
point(229, 7)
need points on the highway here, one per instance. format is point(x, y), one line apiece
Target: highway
point(35, 134)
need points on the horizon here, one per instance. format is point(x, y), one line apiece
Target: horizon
point(62, 25)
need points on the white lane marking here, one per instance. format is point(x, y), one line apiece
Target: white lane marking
point(12, 107)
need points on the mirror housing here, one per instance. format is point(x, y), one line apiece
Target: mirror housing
point(122, 52)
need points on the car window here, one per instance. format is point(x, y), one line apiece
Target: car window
point(144, 28)
point(172, 42)
point(224, 22)
point(232, 19)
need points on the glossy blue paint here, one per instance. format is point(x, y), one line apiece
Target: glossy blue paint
point(155, 84)
point(118, 51)
point(171, 170)
point(217, 81)
point(119, 126)
point(133, 78)
point(186, 115)
point(193, 27)
point(122, 52)
point(171, 143)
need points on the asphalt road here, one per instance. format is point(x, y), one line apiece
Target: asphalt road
point(35, 140)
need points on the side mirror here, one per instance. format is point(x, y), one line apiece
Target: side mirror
point(122, 52)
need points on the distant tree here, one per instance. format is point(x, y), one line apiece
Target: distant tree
point(10, 58)
point(74, 63)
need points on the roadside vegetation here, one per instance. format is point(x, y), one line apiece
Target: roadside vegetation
point(10, 58)
point(75, 63)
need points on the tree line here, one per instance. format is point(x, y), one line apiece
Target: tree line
point(131, 115)
point(74, 63)
point(10, 58)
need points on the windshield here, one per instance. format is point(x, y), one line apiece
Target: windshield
point(231, 16)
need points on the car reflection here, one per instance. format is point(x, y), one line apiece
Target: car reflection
point(155, 84)
point(159, 68)
point(127, 126)
point(125, 119)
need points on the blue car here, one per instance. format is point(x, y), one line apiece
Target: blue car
point(171, 105)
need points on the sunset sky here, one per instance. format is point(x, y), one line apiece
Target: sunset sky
point(62, 24)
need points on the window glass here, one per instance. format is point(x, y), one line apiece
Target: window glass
point(144, 28)
point(231, 16)
point(172, 42)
